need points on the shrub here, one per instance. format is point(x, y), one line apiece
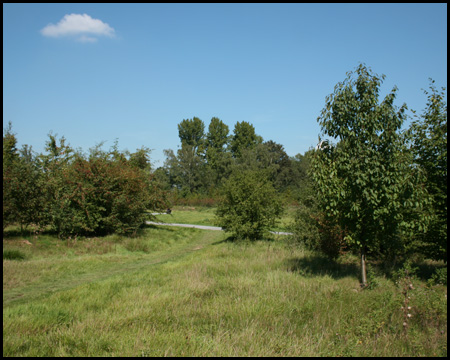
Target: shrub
point(250, 205)
point(306, 228)
point(315, 233)
point(99, 196)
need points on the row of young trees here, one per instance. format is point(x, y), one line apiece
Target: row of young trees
point(74, 193)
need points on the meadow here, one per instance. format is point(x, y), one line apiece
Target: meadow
point(188, 292)
point(203, 215)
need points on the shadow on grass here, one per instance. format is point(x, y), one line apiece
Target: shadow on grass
point(318, 265)
point(12, 232)
point(228, 239)
point(159, 228)
point(15, 233)
point(234, 240)
point(424, 270)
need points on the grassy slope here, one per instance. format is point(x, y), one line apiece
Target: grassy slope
point(187, 292)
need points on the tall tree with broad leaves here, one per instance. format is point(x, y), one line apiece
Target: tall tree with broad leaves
point(244, 138)
point(217, 155)
point(192, 132)
point(365, 182)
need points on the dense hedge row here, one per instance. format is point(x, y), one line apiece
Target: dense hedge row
point(75, 194)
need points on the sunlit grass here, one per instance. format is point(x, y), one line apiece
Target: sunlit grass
point(206, 215)
point(189, 215)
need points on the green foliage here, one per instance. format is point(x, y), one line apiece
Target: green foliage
point(312, 228)
point(78, 195)
point(244, 138)
point(100, 196)
point(439, 277)
point(22, 190)
point(217, 137)
point(270, 157)
point(250, 205)
point(192, 132)
point(191, 169)
point(365, 182)
point(429, 144)
point(306, 227)
point(141, 159)
point(218, 157)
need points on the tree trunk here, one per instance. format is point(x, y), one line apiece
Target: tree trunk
point(363, 267)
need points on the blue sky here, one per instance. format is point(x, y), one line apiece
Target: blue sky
point(133, 72)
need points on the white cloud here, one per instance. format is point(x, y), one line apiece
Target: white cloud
point(87, 39)
point(80, 26)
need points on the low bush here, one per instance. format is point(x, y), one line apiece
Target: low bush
point(250, 205)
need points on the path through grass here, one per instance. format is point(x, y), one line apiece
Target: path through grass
point(69, 272)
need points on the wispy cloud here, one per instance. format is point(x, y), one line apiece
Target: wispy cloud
point(82, 27)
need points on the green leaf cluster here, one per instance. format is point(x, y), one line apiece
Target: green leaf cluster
point(428, 135)
point(22, 185)
point(365, 181)
point(77, 194)
point(250, 205)
point(205, 160)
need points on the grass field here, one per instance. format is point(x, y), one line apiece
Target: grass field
point(189, 292)
point(205, 216)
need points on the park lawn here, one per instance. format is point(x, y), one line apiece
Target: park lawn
point(189, 215)
point(190, 292)
point(199, 215)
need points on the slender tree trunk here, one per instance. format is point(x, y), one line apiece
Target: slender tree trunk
point(363, 267)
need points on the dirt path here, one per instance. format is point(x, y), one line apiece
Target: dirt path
point(203, 227)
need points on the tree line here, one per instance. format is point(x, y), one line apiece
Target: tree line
point(206, 159)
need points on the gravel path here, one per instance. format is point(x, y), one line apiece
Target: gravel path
point(204, 227)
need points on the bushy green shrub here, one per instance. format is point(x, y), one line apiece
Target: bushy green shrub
point(250, 205)
point(99, 196)
point(306, 227)
point(313, 231)
point(106, 192)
